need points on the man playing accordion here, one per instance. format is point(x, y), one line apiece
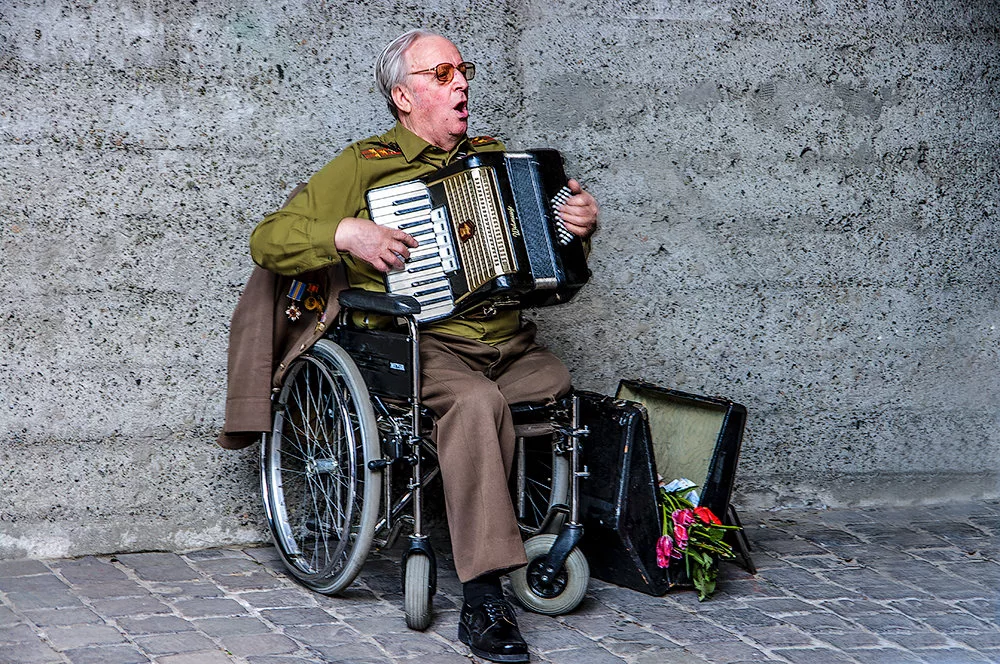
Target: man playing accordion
point(472, 364)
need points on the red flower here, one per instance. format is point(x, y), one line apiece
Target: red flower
point(706, 515)
point(664, 549)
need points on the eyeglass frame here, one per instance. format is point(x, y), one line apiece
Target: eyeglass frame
point(449, 72)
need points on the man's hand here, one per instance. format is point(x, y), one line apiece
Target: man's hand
point(381, 247)
point(579, 212)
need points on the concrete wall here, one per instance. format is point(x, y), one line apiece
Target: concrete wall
point(799, 212)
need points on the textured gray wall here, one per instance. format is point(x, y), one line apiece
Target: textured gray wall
point(799, 205)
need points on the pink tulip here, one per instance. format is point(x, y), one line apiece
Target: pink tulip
point(681, 537)
point(664, 548)
point(684, 517)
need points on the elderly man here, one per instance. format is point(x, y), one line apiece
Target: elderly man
point(473, 364)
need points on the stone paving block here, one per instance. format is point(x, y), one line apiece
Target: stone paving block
point(779, 606)
point(890, 591)
point(361, 651)
point(161, 567)
point(88, 570)
point(629, 642)
point(200, 657)
point(55, 617)
point(984, 609)
point(248, 645)
point(297, 616)
point(39, 583)
point(231, 626)
point(668, 657)
point(30, 653)
point(918, 640)
point(215, 566)
point(953, 623)
point(17, 633)
point(170, 644)
point(154, 625)
point(14, 568)
point(439, 658)
point(248, 581)
point(953, 588)
point(829, 536)
point(589, 655)
point(214, 554)
point(815, 656)
point(853, 607)
point(955, 656)
point(426, 644)
point(882, 623)
point(819, 563)
point(81, 636)
point(778, 636)
point(916, 608)
point(985, 641)
point(26, 601)
point(187, 589)
point(939, 554)
point(557, 639)
point(687, 631)
point(737, 618)
point(8, 617)
point(111, 590)
point(323, 635)
point(126, 654)
point(792, 546)
point(130, 606)
point(209, 607)
point(853, 639)
point(278, 599)
point(728, 652)
point(393, 623)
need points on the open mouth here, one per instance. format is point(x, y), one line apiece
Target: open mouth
point(462, 108)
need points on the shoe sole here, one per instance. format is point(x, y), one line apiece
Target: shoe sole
point(463, 636)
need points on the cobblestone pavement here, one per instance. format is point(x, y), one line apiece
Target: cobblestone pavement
point(886, 585)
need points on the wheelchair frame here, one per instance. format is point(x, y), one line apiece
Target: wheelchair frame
point(344, 422)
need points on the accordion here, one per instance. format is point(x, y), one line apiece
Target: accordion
point(489, 234)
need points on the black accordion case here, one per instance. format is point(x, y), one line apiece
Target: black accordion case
point(644, 431)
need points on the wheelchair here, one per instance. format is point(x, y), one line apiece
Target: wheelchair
point(348, 460)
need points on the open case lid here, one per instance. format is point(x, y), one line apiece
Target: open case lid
point(694, 437)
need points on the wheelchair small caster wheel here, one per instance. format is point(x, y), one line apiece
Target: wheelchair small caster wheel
point(556, 596)
point(417, 592)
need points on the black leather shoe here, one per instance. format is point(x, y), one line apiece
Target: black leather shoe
point(490, 630)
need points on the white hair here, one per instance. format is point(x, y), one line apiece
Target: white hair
point(390, 67)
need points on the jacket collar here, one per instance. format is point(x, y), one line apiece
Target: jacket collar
point(412, 146)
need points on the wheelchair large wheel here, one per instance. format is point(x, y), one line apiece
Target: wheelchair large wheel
point(320, 496)
point(539, 482)
point(561, 595)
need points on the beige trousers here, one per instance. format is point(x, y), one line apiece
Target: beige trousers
point(468, 385)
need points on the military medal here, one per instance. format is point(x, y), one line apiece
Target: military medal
point(295, 293)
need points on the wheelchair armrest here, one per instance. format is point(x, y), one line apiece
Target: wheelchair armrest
point(388, 304)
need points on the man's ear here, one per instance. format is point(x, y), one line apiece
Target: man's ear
point(402, 99)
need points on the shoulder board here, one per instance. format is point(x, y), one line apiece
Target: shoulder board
point(381, 152)
point(478, 141)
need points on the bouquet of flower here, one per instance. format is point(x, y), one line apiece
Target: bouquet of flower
point(693, 533)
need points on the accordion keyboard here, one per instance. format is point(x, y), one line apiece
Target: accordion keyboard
point(407, 207)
